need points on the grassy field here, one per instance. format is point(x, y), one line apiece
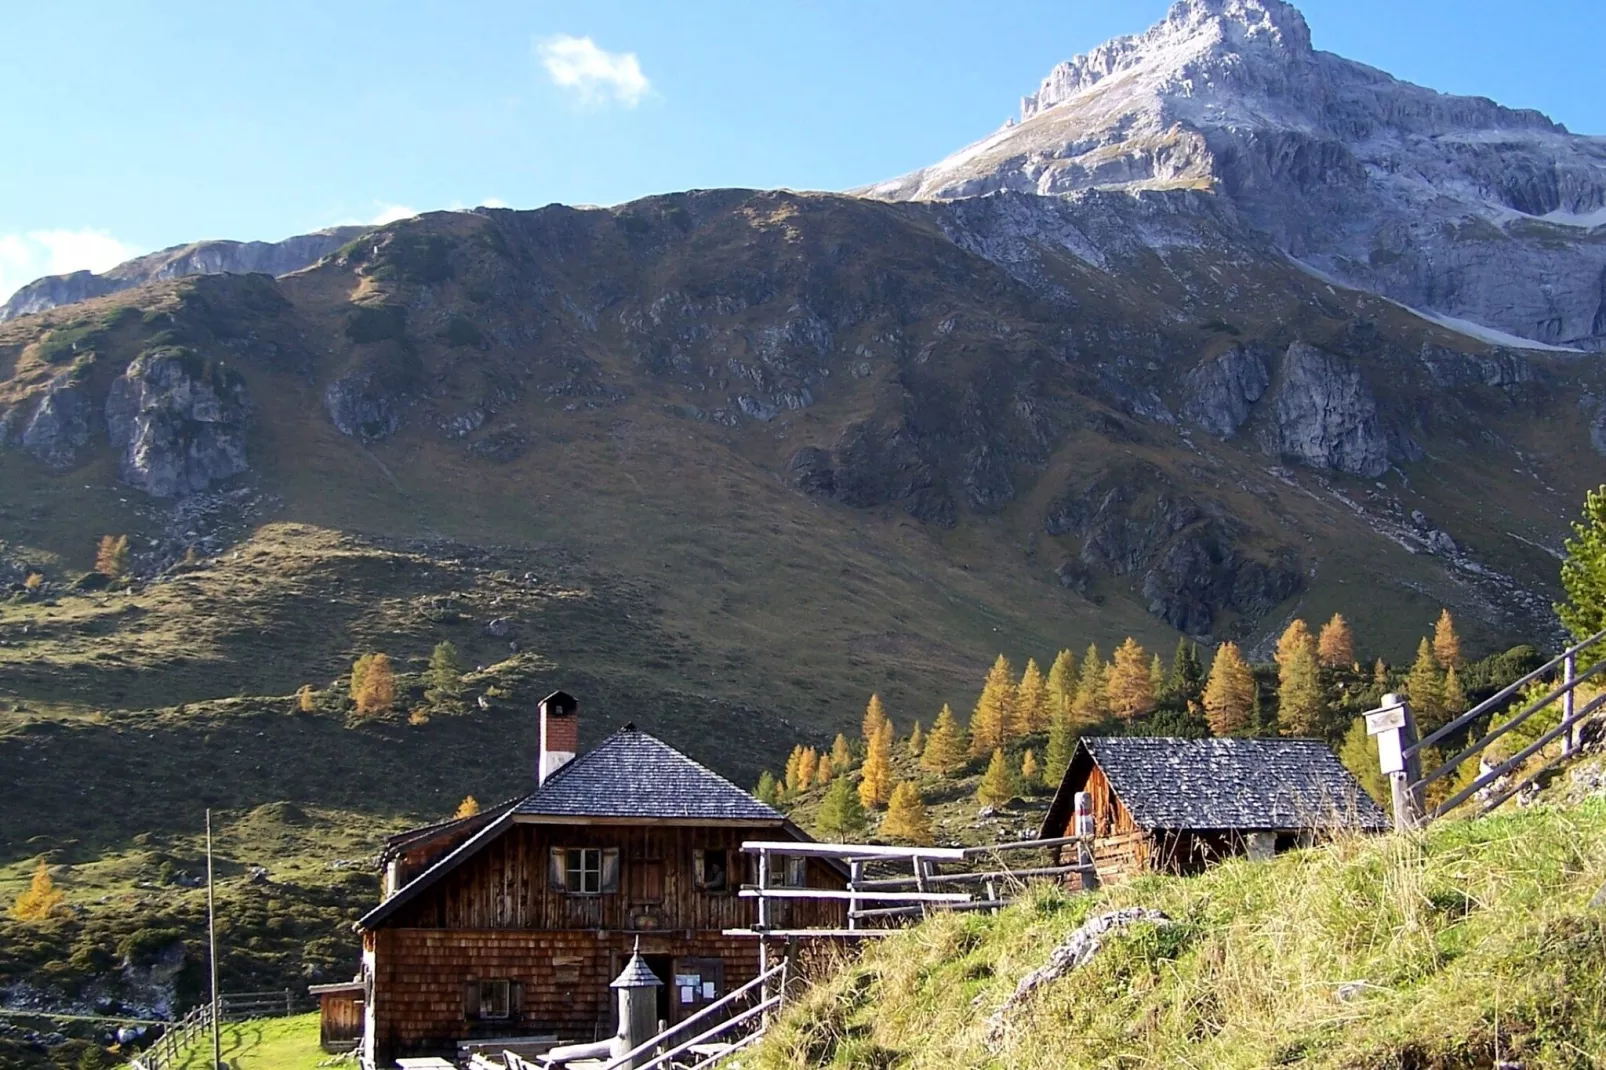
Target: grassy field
point(267, 1044)
point(1474, 945)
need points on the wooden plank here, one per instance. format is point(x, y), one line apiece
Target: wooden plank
point(832, 893)
point(849, 851)
point(802, 934)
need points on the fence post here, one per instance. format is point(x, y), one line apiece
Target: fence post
point(855, 872)
point(1084, 849)
point(1569, 702)
point(1395, 730)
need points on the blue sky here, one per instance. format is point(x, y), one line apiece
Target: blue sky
point(131, 127)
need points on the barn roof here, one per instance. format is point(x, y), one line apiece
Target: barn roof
point(1239, 784)
point(633, 774)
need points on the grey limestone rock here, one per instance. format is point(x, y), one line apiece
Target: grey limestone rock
point(178, 422)
point(361, 407)
point(1324, 416)
point(60, 424)
point(1217, 394)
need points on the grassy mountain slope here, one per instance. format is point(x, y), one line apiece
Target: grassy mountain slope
point(1475, 944)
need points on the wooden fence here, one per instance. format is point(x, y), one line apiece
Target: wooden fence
point(896, 898)
point(1400, 751)
point(196, 1027)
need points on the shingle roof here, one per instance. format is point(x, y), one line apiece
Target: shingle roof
point(632, 774)
point(1226, 784)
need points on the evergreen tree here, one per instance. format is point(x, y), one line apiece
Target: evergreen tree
point(997, 784)
point(1260, 724)
point(1583, 574)
point(1061, 684)
point(1061, 745)
point(1157, 678)
point(1301, 705)
point(1184, 685)
point(768, 791)
point(1031, 701)
point(992, 722)
point(1424, 686)
point(92, 1058)
point(917, 741)
point(1335, 646)
point(1030, 773)
point(945, 746)
point(1091, 704)
point(906, 820)
point(445, 676)
point(373, 685)
point(808, 764)
point(1229, 692)
point(111, 556)
point(41, 900)
point(825, 772)
point(1359, 755)
point(841, 815)
point(467, 808)
point(1455, 696)
point(875, 781)
point(841, 754)
point(875, 715)
point(1128, 687)
point(1446, 644)
point(1380, 677)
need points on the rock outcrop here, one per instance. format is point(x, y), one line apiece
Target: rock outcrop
point(178, 422)
point(1324, 416)
point(1217, 394)
point(196, 258)
point(60, 425)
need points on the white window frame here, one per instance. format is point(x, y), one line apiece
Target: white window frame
point(582, 870)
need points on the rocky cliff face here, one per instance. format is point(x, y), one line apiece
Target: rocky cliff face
point(196, 258)
point(1450, 204)
point(177, 422)
point(1324, 416)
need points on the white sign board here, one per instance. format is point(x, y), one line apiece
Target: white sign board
point(1385, 719)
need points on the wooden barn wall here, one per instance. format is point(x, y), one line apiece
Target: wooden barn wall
point(561, 977)
point(506, 885)
point(340, 1020)
point(1121, 848)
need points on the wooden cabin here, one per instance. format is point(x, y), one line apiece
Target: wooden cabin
point(1178, 805)
point(513, 922)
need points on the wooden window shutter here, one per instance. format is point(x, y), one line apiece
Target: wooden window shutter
point(697, 868)
point(557, 872)
point(471, 1000)
point(610, 869)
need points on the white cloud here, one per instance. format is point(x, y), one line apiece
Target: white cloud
point(493, 202)
point(27, 256)
point(390, 213)
point(577, 64)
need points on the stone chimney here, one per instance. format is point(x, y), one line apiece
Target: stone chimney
point(560, 734)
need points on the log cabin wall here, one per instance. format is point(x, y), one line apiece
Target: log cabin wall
point(558, 980)
point(507, 884)
point(1121, 849)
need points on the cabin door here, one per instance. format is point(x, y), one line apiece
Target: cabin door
point(696, 984)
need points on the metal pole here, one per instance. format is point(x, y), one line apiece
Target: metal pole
point(211, 940)
point(1569, 677)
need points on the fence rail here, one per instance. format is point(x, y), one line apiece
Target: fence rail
point(1400, 750)
point(895, 898)
point(195, 1027)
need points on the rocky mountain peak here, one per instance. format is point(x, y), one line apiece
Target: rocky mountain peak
point(1218, 34)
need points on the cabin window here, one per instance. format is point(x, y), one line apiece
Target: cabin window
point(796, 872)
point(585, 870)
point(711, 870)
point(490, 1000)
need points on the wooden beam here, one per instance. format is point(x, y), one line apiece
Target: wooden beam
point(832, 893)
point(804, 934)
point(848, 851)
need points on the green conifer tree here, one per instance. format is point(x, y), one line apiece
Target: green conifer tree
point(1583, 575)
point(945, 746)
point(445, 677)
point(1424, 687)
point(1092, 702)
point(1359, 755)
point(841, 816)
point(1184, 684)
point(1062, 683)
point(767, 791)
